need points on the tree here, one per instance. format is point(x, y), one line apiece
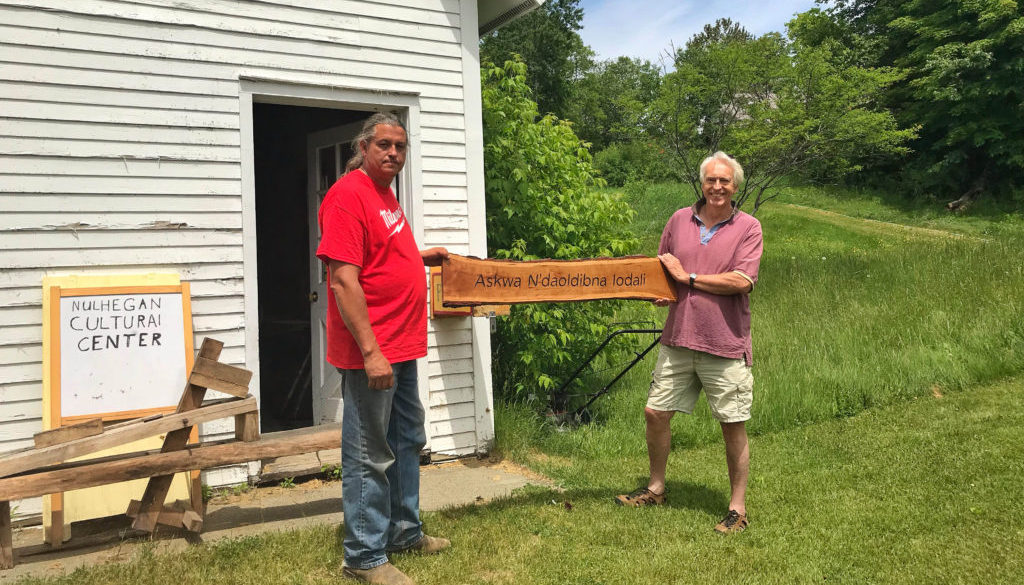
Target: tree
point(962, 62)
point(613, 111)
point(541, 204)
point(613, 101)
point(548, 41)
point(780, 108)
point(965, 62)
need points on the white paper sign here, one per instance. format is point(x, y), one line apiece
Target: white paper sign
point(121, 352)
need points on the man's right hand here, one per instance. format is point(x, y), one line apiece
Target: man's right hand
point(378, 371)
point(661, 302)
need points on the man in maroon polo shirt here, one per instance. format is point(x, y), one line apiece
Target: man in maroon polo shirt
point(712, 250)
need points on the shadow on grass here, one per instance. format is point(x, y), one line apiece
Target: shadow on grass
point(682, 495)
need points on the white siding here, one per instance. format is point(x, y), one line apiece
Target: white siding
point(120, 152)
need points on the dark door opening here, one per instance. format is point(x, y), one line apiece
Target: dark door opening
point(284, 257)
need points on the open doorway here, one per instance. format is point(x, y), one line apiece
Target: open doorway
point(283, 257)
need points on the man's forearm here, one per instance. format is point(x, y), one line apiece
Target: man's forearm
point(351, 300)
point(352, 306)
point(726, 283)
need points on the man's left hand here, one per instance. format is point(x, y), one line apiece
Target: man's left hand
point(671, 263)
point(434, 256)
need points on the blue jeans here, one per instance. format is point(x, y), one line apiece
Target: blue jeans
point(381, 438)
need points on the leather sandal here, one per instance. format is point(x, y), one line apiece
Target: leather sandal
point(640, 497)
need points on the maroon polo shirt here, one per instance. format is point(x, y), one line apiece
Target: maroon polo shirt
point(715, 324)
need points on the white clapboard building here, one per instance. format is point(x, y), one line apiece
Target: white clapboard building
point(196, 137)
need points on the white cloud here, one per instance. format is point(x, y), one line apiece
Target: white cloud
point(647, 28)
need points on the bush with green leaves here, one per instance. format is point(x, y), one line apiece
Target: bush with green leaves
point(542, 203)
point(639, 161)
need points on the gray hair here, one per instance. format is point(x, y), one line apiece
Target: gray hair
point(367, 133)
point(737, 170)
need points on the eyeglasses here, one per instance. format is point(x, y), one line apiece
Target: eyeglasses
point(712, 180)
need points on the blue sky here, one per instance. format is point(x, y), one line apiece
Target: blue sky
point(645, 28)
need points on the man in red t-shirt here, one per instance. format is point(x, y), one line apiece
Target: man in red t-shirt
point(706, 343)
point(376, 330)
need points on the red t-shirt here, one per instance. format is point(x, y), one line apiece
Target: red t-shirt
point(715, 324)
point(362, 224)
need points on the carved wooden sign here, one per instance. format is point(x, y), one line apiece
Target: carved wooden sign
point(472, 281)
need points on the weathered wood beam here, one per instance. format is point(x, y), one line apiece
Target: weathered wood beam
point(123, 434)
point(157, 488)
point(59, 435)
point(6, 536)
point(221, 377)
point(115, 469)
point(247, 426)
point(178, 516)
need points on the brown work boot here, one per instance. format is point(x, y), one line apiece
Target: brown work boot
point(386, 574)
point(733, 522)
point(427, 545)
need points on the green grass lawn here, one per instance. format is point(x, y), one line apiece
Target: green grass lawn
point(926, 491)
point(889, 370)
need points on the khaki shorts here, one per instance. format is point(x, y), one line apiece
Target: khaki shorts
point(681, 373)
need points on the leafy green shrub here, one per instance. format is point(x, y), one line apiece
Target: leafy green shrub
point(542, 203)
point(634, 162)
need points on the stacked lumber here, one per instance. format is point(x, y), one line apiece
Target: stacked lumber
point(45, 467)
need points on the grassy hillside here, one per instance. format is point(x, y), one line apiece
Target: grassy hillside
point(848, 313)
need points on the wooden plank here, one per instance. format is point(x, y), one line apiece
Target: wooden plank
point(99, 113)
point(59, 435)
point(28, 183)
point(192, 521)
point(94, 148)
point(452, 427)
point(221, 371)
point(109, 257)
point(177, 515)
point(131, 29)
point(144, 39)
point(21, 287)
point(127, 165)
point(441, 178)
point(135, 138)
point(221, 377)
point(142, 55)
point(218, 385)
point(156, 490)
point(290, 466)
point(442, 382)
point(450, 352)
point(459, 366)
point(6, 537)
point(96, 239)
point(472, 281)
point(118, 468)
point(63, 202)
point(17, 392)
point(99, 95)
point(122, 434)
point(29, 409)
point(247, 426)
point(16, 430)
point(55, 531)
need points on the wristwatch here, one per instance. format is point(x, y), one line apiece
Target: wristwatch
point(693, 278)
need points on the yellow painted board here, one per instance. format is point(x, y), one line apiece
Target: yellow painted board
point(111, 499)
